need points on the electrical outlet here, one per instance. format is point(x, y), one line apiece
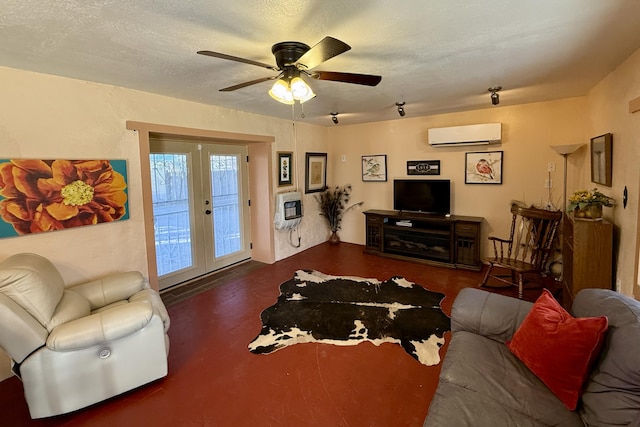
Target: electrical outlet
point(551, 167)
point(548, 183)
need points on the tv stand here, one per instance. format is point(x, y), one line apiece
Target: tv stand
point(447, 241)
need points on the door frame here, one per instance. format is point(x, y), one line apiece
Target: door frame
point(260, 189)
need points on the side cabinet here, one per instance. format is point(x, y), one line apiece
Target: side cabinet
point(587, 256)
point(467, 244)
point(374, 233)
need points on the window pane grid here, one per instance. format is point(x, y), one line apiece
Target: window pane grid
point(226, 208)
point(170, 195)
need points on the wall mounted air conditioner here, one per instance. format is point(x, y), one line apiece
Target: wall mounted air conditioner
point(482, 134)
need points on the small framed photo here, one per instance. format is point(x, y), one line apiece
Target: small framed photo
point(316, 174)
point(483, 167)
point(423, 167)
point(285, 168)
point(601, 148)
point(374, 168)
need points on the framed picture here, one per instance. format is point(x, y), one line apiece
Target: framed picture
point(423, 167)
point(374, 168)
point(483, 167)
point(69, 193)
point(601, 149)
point(285, 168)
point(316, 174)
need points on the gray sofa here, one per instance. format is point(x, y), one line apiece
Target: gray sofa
point(483, 384)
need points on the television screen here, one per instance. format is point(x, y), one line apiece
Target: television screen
point(422, 195)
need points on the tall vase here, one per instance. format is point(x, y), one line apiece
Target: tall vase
point(334, 239)
point(593, 211)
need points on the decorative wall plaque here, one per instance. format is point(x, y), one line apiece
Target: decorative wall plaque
point(423, 167)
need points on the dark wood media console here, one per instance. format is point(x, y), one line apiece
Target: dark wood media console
point(452, 241)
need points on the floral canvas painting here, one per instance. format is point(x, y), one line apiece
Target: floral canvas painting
point(47, 195)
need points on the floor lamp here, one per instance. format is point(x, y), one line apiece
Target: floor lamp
point(564, 151)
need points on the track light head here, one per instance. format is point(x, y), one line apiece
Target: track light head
point(495, 98)
point(334, 118)
point(400, 106)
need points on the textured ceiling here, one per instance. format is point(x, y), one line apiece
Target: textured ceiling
point(437, 56)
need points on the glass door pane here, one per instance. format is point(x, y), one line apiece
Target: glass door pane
point(226, 204)
point(200, 207)
point(171, 212)
point(177, 218)
point(227, 187)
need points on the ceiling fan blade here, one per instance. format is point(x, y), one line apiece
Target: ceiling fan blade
point(245, 84)
point(326, 49)
point(235, 58)
point(360, 79)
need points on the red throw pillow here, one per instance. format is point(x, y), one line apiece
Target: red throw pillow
point(559, 348)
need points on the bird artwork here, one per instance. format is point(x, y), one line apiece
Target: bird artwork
point(484, 168)
point(374, 168)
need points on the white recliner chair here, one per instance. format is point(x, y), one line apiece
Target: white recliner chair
point(76, 346)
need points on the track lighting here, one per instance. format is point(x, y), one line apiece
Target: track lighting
point(495, 98)
point(334, 118)
point(400, 106)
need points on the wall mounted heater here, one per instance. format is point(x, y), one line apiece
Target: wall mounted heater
point(482, 134)
point(288, 210)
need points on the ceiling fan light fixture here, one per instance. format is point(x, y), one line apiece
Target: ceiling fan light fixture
point(299, 88)
point(280, 92)
point(309, 96)
point(293, 59)
point(288, 93)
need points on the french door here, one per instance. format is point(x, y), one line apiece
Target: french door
point(200, 208)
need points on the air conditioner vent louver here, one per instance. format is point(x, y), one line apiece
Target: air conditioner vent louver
point(482, 134)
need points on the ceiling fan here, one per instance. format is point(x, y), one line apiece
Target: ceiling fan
point(296, 58)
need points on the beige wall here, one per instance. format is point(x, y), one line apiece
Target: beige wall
point(608, 111)
point(528, 132)
point(312, 230)
point(51, 117)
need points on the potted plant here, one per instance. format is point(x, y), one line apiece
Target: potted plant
point(333, 204)
point(589, 203)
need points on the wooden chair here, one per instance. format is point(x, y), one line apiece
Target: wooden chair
point(527, 250)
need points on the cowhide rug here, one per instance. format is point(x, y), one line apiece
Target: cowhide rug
point(315, 307)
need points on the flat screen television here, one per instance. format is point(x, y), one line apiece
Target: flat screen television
point(431, 196)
